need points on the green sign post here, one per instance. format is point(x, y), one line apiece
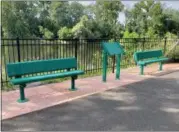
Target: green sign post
point(111, 49)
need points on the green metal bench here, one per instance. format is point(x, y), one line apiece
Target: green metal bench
point(143, 58)
point(17, 72)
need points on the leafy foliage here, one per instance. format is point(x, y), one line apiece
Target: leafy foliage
point(65, 33)
point(46, 33)
point(63, 19)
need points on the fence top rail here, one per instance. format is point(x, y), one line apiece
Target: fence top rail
point(52, 39)
point(83, 38)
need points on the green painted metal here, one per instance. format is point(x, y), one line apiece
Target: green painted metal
point(141, 55)
point(141, 70)
point(30, 67)
point(105, 58)
point(151, 60)
point(18, 81)
point(118, 66)
point(22, 101)
point(111, 49)
point(22, 98)
point(160, 66)
point(73, 88)
point(143, 58)
point(24, 68)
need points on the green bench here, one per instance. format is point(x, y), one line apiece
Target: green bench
point(17, 72)
point(143, 58)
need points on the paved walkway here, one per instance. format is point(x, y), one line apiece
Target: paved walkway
point(53, 94)
point(137, 104)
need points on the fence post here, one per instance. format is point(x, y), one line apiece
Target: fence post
point(143, 44)
point(114, 60)
point(165, 45)
point(76, 50)
point(18, 49)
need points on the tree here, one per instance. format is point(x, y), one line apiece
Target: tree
point(65, 14)
point(106, 14)
point(172, 21)
point(80, 30)
point(46, 33)
point(65, 19)
point(65, 33)
point(127, 34)
point(146, 15)
point(76, 11)
point(13, 22)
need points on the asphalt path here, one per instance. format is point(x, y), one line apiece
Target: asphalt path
point(152, 104)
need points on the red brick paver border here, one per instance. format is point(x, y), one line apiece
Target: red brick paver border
point(48, 95)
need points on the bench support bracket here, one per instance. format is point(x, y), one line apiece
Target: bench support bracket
point(73, 84)
point(22, 98)
point(141, 70)
point(118, 66)
point(160, 66)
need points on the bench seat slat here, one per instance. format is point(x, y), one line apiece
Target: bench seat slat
point(25, 80)
point(152, 61)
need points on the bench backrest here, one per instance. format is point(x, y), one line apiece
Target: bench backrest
point(141, 55)
point(39, 66)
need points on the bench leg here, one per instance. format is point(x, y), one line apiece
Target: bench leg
point(22, 98)
point(141, 70)
point(73, 84)
point(160, 66)
point(118, 67)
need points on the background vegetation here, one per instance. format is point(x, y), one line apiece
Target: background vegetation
point(52, 19)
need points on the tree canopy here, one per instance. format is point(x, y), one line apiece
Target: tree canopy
point(63, 19)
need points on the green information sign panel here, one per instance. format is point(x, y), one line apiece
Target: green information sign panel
point(112, 48)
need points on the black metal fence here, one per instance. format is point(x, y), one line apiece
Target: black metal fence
point(87, 51)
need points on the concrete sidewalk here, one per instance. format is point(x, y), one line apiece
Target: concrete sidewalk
point(53, 94)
